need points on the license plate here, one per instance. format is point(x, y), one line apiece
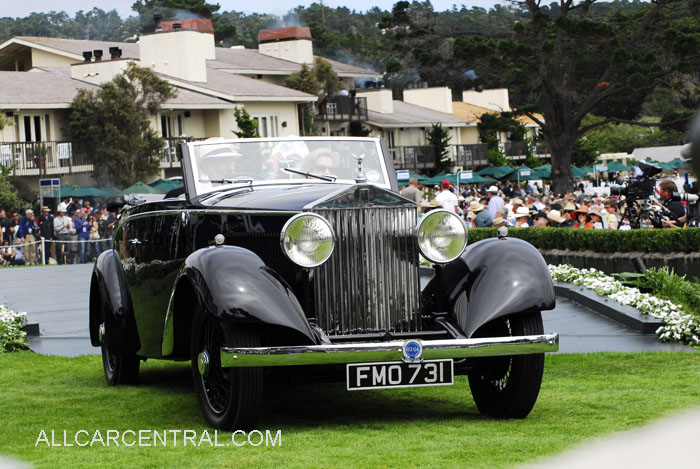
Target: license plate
point(399, 374)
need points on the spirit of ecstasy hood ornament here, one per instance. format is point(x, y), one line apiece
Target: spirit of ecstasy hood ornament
point(360, 178)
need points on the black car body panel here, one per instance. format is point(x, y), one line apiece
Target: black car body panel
point(492, 278)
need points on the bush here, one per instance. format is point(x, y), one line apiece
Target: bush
point(12, 337)
point(647, 240)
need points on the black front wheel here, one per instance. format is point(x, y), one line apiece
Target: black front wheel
point(507, 387)
point(119, 369)
point(229, 398)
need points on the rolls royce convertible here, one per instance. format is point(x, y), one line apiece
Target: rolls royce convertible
point(285, 256)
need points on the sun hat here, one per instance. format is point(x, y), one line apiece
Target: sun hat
point(555, 216)
point(498, 221)
point(582, 209)
point(475, 206)
point(570, 206)
point(492, 189)
point(29, 210)
point(595, 210)
point(522, 212)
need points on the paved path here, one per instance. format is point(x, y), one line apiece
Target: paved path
point(57, 298)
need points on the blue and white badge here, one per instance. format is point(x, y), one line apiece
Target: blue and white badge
point(412, 351)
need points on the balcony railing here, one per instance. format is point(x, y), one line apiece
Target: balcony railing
point(414, 158)
point(470, 156)
point(343, 108)
point(45, 158)
point(516, 149)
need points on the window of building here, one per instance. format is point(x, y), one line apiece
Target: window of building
point(267, 125)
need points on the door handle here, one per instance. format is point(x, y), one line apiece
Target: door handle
point(135, 242)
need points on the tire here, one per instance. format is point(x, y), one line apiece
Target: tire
point(507, 387)
point(229, 398)
point(119, 369)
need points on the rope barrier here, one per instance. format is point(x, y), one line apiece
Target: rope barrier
point(92, 246)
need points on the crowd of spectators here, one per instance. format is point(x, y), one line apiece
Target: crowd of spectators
point(76, 233)
point(524, 205)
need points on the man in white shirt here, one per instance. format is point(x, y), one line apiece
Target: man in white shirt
point(63, 226)
point(495, 201)
point(446, 198)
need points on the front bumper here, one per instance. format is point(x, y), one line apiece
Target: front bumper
point(327, 354)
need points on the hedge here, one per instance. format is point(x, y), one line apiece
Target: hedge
point(642, 240)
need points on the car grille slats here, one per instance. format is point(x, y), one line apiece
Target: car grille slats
point(370, 283)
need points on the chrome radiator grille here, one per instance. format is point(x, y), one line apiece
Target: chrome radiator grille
point(370, 284)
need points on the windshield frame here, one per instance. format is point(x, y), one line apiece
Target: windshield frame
point(191, 174)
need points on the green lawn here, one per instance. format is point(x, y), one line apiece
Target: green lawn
point(324, 426)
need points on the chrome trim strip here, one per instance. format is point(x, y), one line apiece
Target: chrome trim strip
point(386, 351)
point(205, 211)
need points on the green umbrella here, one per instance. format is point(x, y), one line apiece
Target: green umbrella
point(578, 173)
point(476, 179)
point(111, 190)
point(496, 171)
point(88, 191)
point(140, 188)
point(517, 174)
point(615, 166)
point(544, 173)
point(67, 190)
point(163, 186)
point(679, 163)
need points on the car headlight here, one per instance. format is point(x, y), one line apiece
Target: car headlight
point(307, 239)
point(442, 236)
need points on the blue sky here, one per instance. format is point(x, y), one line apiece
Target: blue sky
point(14, 8)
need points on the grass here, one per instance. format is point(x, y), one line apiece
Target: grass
point(583, 396)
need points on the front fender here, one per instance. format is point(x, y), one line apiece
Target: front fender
point(234, 284)
point(109, 292)
point(493, 278)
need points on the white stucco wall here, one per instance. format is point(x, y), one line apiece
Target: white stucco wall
point(47, 59)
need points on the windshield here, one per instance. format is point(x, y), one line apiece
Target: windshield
point(220, 163)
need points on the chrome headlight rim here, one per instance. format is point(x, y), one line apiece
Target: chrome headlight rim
point(435, 213)
point(292, 221)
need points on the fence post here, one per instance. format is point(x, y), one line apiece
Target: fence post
point(43, 251)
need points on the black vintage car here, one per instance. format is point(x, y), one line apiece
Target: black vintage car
point(290, 252)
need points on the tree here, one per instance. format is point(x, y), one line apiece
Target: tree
point(321, 81)
point(198, 7)
point(9, 197)
point(305, 80)
point(114, 123)
point(567, 64)
point(440, 140)
point(247, 126)
point(356, 129)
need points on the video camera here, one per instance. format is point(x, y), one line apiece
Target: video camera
point(638, 187)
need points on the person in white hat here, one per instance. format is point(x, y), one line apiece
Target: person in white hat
point(521, 216)
point(495, 201)
point(62, 226)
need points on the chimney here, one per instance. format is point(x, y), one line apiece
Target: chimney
point(496, 99)
point(115, 53)
point(180, 50)
point(293, 44)
point(378, 100)
point(87, 56)
point(438, 99)
point(98, 54)
point(157, 18)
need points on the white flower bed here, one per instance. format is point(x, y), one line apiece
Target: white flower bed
point(12, 337)
point(680, 326)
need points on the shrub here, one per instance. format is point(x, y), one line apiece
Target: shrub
point(647, 240)
point(12, 337)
